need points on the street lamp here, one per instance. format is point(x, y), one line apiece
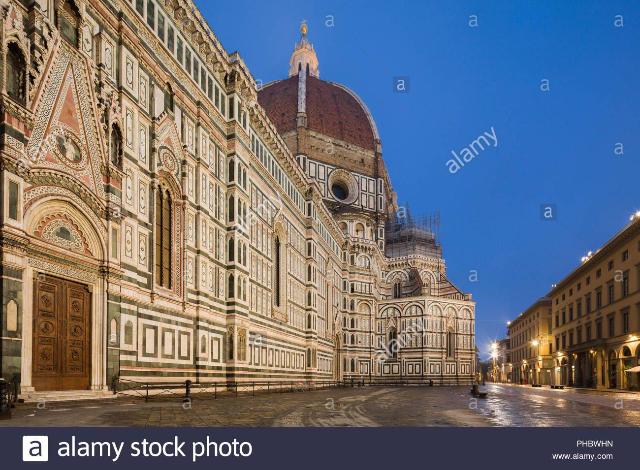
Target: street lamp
point(494, 357)
point(535, 343)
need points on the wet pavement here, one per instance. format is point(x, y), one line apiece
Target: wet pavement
point(506, 405)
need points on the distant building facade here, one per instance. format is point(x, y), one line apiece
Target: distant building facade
point(164, 218)
point(530, 340)
point(503, 361)
point(596, 316)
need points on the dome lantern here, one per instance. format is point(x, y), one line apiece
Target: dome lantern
point(304, 56)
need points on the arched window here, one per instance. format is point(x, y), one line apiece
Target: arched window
point(164, 234)
point(231, 251)
point(116, 146)
point(113, 331)
point(231, 345)
point(232, 209)
point(69, 21)
point(277, 271)
point(242, 345)
point(231, 290)
point(231, 172)
point(359, 230)
point(16, 74)
point(397, 289)
point(451, 343)
point(392, 345)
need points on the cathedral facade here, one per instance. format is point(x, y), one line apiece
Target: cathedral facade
point(165, 219)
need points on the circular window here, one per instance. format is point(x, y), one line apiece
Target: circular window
point(343, 186)
point(340, 190)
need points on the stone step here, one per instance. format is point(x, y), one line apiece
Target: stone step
point(66, 395)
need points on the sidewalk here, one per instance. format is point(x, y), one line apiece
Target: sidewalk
point(567, 387)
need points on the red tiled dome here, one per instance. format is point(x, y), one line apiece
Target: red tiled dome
point(332, 110)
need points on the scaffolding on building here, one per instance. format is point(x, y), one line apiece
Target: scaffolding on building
point(406, 234)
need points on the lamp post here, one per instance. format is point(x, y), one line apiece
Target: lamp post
point(494, 357)
point(535, 343)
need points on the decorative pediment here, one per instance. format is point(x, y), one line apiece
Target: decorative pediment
point(169, 151)
point(65, 138)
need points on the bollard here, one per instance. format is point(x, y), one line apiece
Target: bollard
point(5, 401)
point(215, 391)
point(187, 391)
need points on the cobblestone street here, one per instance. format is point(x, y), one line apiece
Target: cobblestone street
point(507, 405)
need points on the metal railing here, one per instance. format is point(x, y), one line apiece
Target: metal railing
point(188, 390)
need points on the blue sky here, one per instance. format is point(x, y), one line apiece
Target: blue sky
point(554, 147)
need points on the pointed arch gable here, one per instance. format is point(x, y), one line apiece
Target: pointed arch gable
point(429, 282)
point(167, 173)
point(66, 137)
point(169, 137)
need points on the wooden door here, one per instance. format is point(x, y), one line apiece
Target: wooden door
point(61, 335)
